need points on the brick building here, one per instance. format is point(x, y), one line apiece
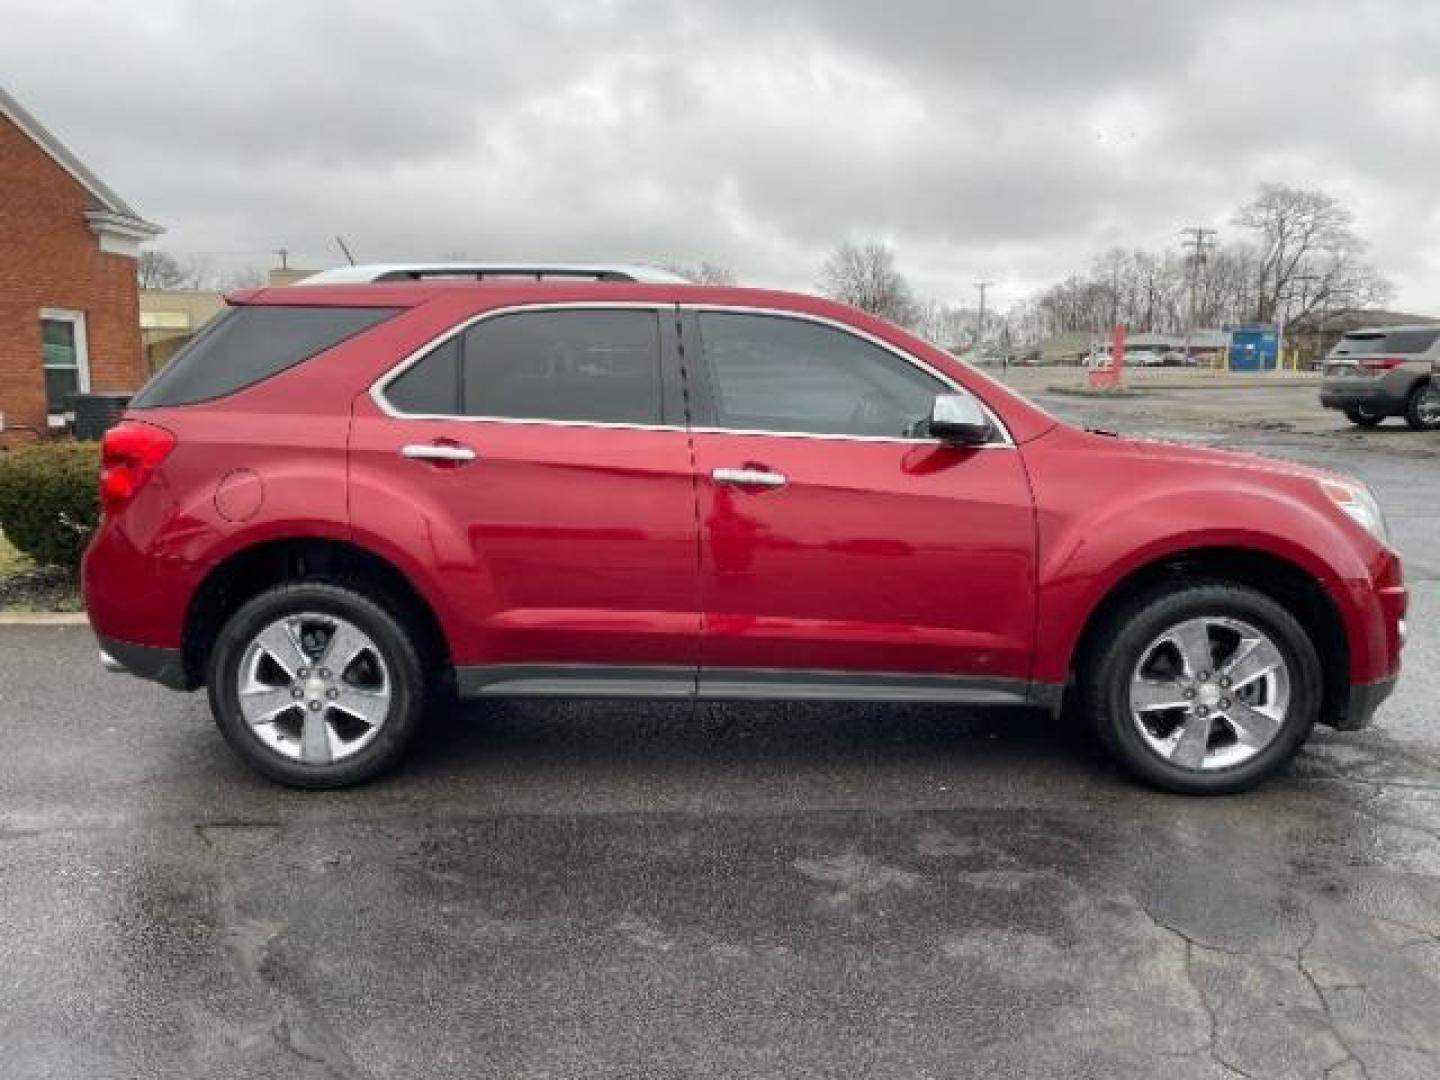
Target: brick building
point(68, 304)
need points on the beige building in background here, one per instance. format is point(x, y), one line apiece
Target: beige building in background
point(171, 317)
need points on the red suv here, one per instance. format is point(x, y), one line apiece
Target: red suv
point(348, 500)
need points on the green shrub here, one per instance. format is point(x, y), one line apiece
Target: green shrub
point(49, 500)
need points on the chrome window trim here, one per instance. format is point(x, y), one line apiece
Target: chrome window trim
point(377, 388)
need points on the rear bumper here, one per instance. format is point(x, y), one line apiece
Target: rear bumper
point(165, 666)
point(1374, 397)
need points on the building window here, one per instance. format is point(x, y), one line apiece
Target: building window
point(66, 357)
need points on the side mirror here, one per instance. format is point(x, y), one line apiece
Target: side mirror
point(959, 419)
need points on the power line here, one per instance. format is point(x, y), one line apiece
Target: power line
point(1199, 238)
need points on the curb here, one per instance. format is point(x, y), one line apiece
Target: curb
point(43, 618)
point(1119, 393)
point(1140, 386)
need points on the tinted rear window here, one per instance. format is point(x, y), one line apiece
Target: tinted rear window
point(588, 366)
point(1395, 341)
point(595, 366)
point(245, 345)
point(432, 386)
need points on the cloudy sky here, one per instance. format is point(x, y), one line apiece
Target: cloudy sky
point(1010, 140)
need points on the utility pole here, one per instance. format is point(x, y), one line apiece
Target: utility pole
point(1305, 280)
point(1199, 239)
point(980, 319)
point(284, 254)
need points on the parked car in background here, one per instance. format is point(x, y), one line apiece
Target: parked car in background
point(1373, 374)
point(347, 500)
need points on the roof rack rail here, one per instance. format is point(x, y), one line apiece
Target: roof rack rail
point(392, 272)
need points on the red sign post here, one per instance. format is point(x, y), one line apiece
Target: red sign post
point(1109, 375)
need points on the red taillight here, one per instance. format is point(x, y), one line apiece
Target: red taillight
point(129, 454)
point(1382, 363)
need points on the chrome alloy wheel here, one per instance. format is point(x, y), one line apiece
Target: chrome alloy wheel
point(1428, 408)
point(1210, 693)
point(314, 688)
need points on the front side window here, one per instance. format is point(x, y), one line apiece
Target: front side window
point(773, 373)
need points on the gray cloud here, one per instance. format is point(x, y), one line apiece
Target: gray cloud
point(1010, 140)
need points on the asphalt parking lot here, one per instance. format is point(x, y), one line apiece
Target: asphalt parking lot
point(603, 890)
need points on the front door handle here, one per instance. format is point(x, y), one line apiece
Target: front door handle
point(451, 452)
point(760, 478)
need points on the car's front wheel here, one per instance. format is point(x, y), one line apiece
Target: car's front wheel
point(1202, 687)
point(317, 685)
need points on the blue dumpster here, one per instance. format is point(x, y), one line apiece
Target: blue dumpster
point(1254, 348)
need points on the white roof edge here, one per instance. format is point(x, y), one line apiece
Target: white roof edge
point(370, 272)
point(41, 136)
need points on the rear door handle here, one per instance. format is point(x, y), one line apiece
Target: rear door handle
point(437, 452)
point(761, 478)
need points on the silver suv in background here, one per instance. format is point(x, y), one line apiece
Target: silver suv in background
point(1372, 374)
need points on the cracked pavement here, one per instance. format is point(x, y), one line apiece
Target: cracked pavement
point(610, 890)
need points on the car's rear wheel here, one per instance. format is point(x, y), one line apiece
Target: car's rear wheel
point(1362, 417)
point(1202, 687)
point(1422, 407)
point(317, 685)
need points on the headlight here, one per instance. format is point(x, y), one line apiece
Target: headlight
point(1359, 502)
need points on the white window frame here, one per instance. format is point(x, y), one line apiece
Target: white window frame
point(82, 353)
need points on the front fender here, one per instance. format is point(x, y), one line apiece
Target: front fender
point(1086, 553)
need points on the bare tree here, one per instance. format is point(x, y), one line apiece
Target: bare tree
point(1305, 258)
point(1306, 236)
point(864, 276)
point(706, 273)
point(160, 270)
point(949, 326)
point(245, 277)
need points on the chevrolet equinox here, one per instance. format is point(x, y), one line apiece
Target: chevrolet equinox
point(348, 500)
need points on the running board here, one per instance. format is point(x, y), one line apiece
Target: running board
point(746, 684)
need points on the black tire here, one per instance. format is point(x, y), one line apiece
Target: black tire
point(395, 636)
point(1422, 409)
point(1360, 418)
point(1117, 649)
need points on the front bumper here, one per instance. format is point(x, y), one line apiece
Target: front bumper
point(1365, 698)
point(165, 666)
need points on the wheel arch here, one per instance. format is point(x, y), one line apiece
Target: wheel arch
point(246, 572)
point(1283, 580)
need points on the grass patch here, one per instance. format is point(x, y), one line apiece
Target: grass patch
point(27, 587)
point(11, 561)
